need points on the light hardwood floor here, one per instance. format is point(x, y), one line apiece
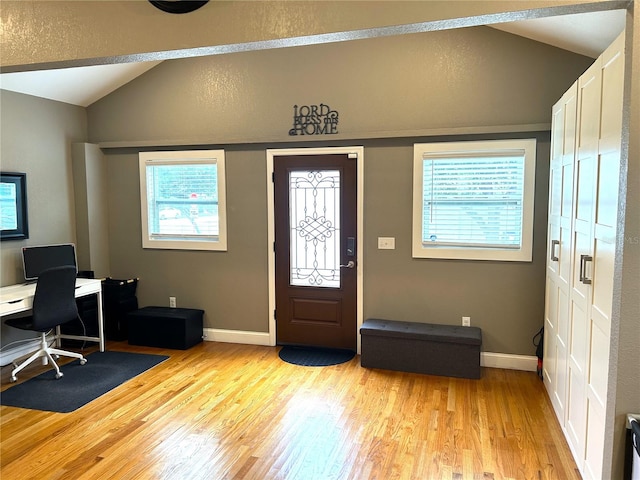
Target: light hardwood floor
point(225, 411)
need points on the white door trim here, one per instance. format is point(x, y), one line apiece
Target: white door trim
point(271, 258)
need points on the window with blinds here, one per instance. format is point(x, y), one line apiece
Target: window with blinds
point(183, 200)
point(474, 200)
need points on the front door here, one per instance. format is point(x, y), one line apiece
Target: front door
point(315, 250)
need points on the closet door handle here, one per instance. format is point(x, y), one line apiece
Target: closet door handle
point(554, 244)
point(583, 268)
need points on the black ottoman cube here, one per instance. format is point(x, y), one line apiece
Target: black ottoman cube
point(432, 349)
point(164, 327)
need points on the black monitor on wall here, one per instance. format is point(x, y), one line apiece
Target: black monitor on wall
point(40, 258)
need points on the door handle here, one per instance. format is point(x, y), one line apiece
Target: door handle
point(554, 244)
point(583, 268)
point(350, 264)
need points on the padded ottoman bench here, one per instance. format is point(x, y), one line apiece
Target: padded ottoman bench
point(164, 327)
point(421, 348)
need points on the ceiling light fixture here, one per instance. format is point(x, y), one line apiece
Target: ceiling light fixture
point(178, 6)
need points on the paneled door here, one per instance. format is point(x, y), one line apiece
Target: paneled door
point(558, 284)
point(315, 215)
point(600, 270)
point(589, 86)
point(596, 182)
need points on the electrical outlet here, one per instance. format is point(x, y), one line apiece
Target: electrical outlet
point(172, 302)
point(466, 321)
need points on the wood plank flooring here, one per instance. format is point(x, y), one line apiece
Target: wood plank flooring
point(226, 411)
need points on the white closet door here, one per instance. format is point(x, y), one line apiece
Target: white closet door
point(583, 210)
point(588, 130)
point(559, 249)
point(551, 314)
point(605, 209)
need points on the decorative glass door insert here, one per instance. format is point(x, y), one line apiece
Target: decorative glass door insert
point(314, 220)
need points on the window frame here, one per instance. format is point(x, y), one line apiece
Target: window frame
point(186, 157)
point(466, 148)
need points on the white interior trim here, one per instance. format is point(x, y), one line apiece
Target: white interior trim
point(359, 151)
point(520, 147)
point(487, 359)
point(236, 336)
point(509, 361)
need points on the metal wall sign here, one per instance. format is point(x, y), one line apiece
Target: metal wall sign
point(314, 120)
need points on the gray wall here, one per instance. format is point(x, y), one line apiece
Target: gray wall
point(91, 201)
point(475, 78)
point(36, 139)
point(624, 374)
point(505, 299)
point(230, 286)
point(458, 81)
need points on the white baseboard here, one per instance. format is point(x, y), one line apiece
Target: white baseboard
point(487, 359)
point(236, 336)
point(509, 361)
point(21, 350)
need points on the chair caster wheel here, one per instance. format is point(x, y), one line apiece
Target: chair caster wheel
point(14, 379)
point(59, 375)
point(83, 361)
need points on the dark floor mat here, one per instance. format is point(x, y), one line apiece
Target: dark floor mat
point(80, 383)
point(315, 357)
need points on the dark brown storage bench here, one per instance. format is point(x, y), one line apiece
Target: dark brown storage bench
point(412, 347)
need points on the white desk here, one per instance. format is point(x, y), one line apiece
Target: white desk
point(19, 298)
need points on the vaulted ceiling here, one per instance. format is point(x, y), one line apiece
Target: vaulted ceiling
point(586, 34)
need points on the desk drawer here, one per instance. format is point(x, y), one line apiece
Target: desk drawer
point(15, 306)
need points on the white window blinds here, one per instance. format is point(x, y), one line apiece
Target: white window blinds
point(183, 200)
point(473, 200)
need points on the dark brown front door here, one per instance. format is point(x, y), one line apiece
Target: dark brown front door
point(315, 232)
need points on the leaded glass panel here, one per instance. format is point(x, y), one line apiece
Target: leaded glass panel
point(314, 219)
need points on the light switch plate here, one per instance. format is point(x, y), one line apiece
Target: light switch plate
point(386, 243)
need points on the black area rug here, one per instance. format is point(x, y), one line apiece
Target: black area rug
point(315, 357)
point(80, 384)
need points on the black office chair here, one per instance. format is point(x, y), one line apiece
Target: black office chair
point(54, 303)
